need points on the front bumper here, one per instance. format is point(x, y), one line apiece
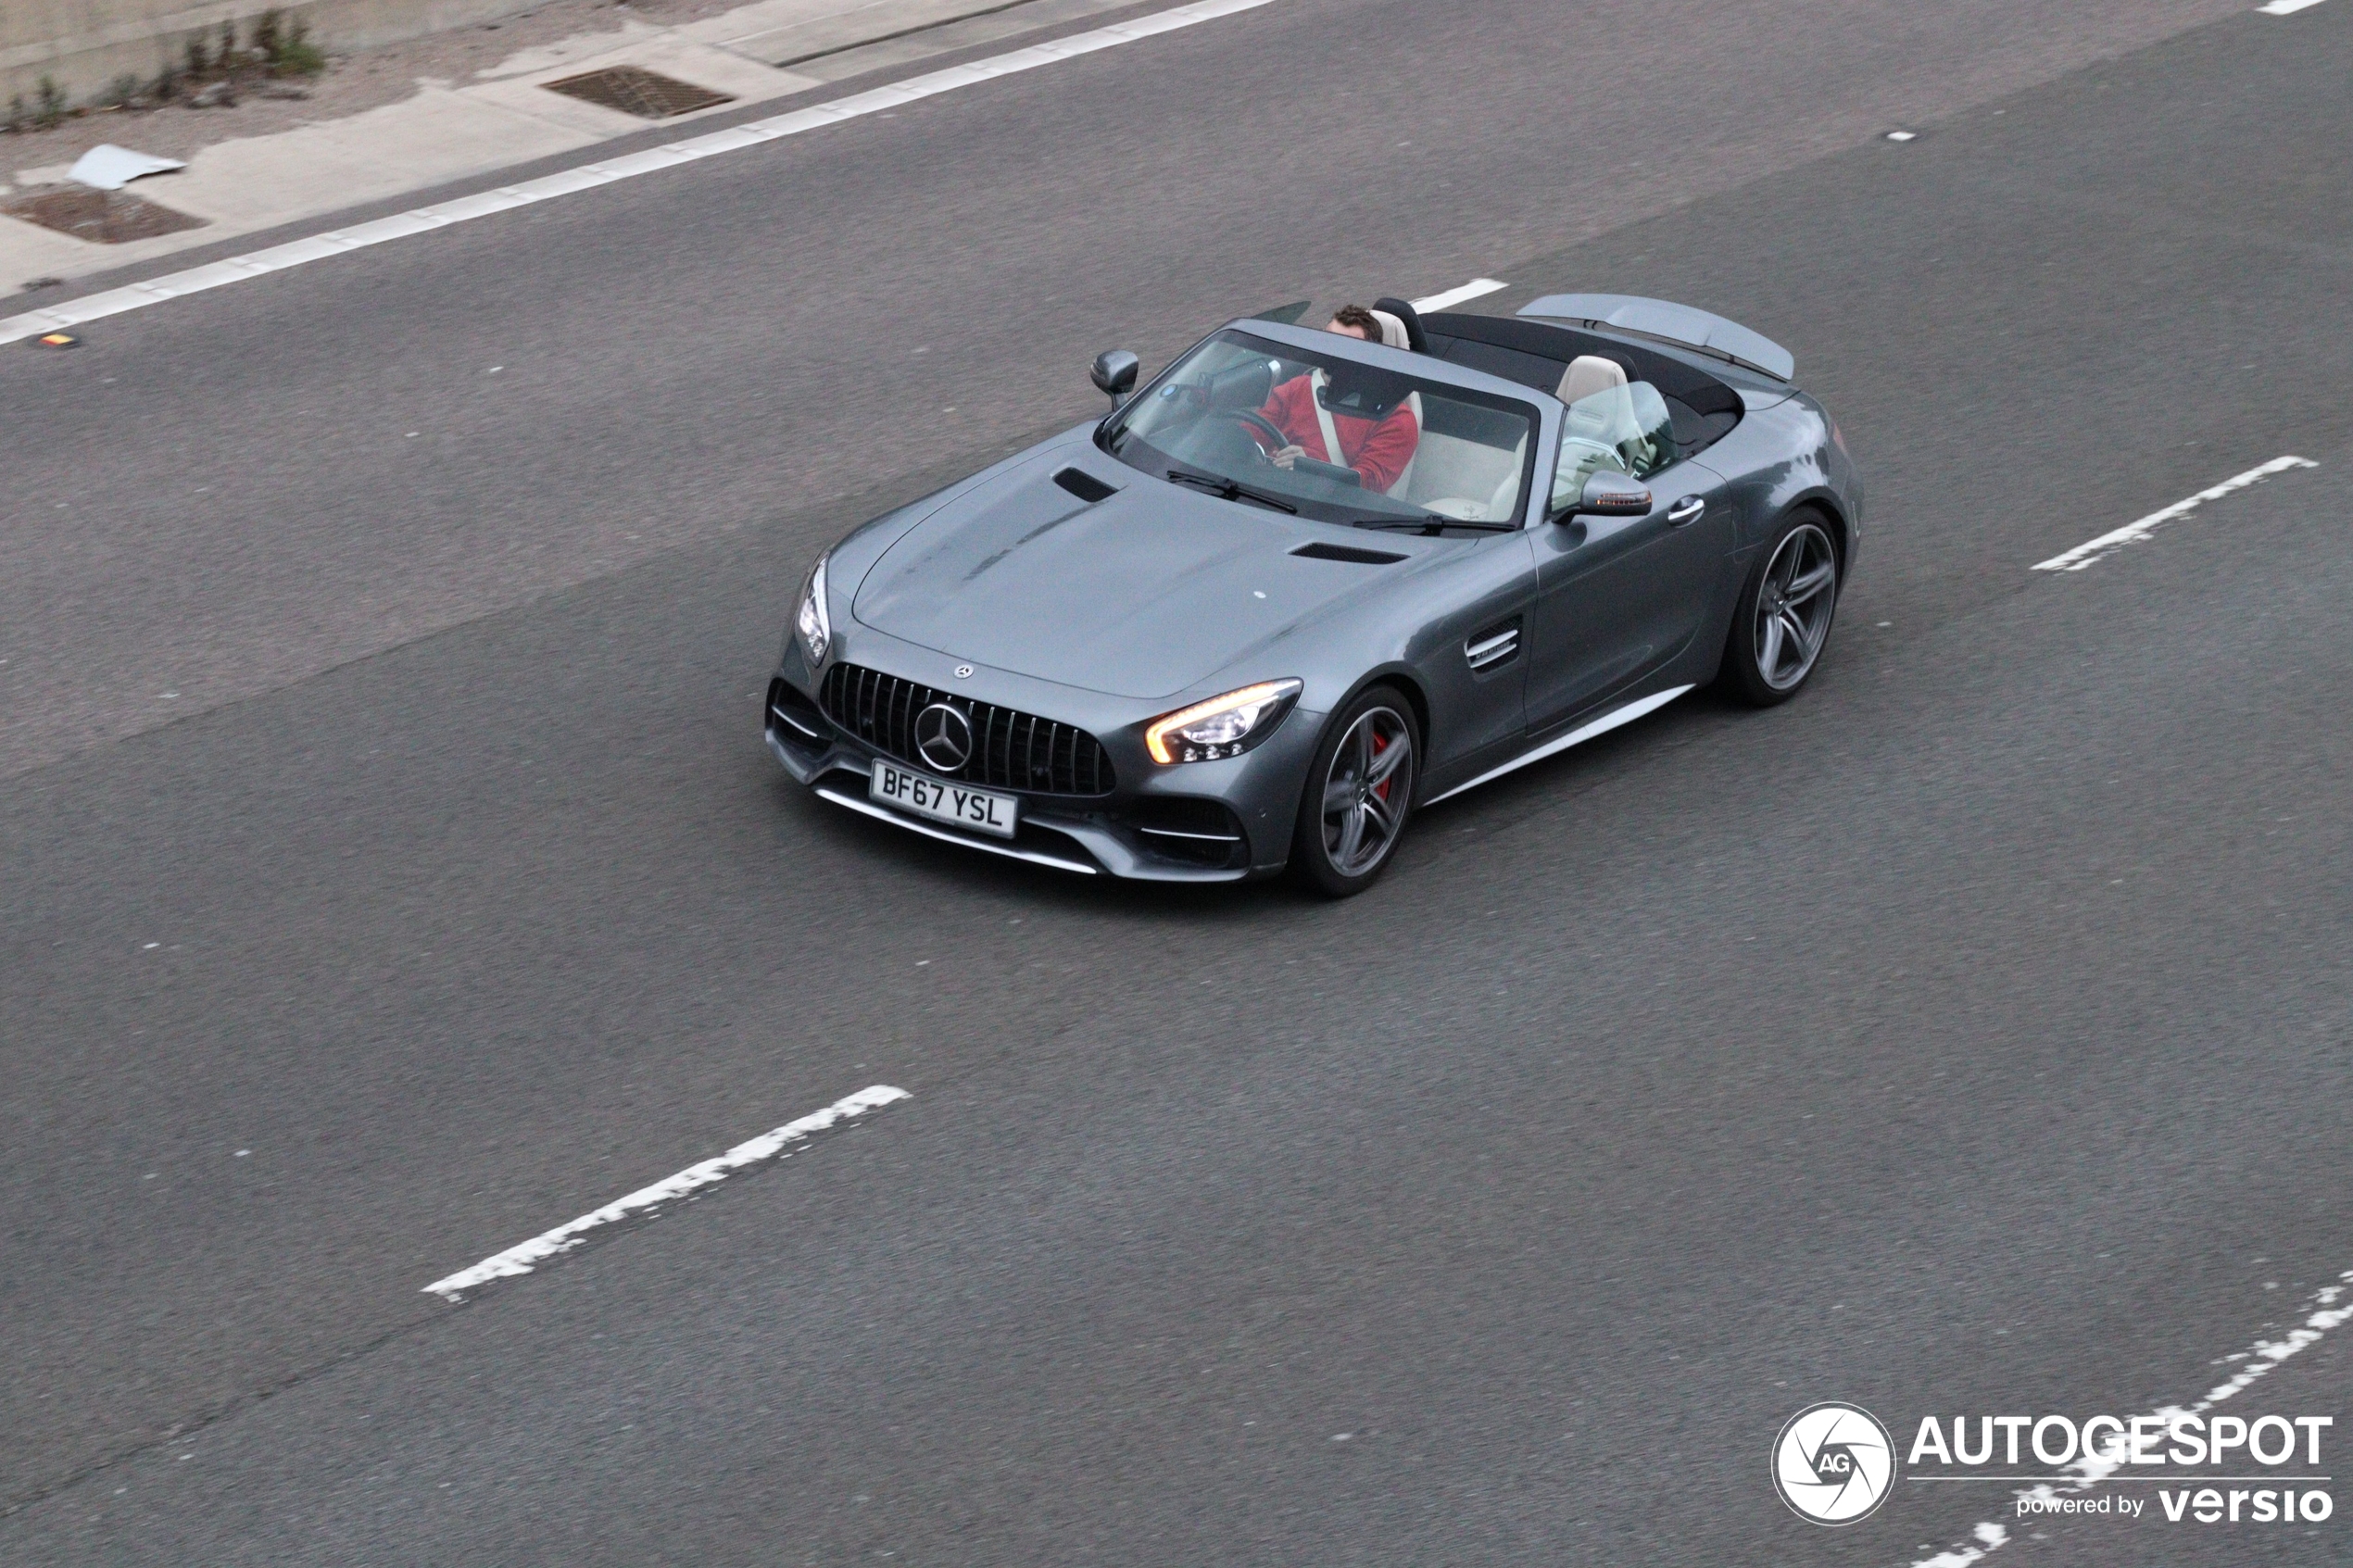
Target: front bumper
point(1195, 822)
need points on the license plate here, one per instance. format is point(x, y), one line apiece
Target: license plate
point(957, 804)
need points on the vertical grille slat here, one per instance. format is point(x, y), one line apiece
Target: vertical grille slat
point(902, 715)
point(1011, 751)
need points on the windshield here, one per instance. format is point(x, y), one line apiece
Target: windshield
point(1324, 437)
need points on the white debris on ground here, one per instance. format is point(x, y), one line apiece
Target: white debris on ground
point(108, 168)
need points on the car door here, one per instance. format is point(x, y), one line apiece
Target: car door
point(1618, 597)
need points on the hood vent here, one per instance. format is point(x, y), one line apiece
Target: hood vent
point(1085, 485)
point(1353, 553)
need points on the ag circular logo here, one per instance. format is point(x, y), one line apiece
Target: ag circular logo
point(1834, 1464)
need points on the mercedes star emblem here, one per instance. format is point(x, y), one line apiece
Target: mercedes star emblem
point(964, 672)
point(944, 737)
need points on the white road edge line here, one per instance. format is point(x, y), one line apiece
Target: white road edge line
point(2321, 1313)
point(2285, 7)
point(2091, 550)
point(523, 1258)
point(589, 176)
point(1453, 298)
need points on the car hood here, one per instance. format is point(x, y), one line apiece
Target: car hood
point(1141, 593)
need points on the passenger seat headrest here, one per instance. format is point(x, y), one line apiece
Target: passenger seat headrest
point(1392, 330)
point(1416, 340)
point(1590, 373)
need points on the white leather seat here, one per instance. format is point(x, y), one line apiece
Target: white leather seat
point(1466, 480)
point(1590, 373)
point(1393, 335)
point(1601, 410)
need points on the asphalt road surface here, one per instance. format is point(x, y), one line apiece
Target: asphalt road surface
point(1968, 1036)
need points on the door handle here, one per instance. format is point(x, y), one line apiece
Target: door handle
point(1686, 510)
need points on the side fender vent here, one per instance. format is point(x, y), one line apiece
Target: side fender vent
point(1494, 647)
point(1353, 553)
point(1085, 485)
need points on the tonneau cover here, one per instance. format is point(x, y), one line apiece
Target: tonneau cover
point(1703, 330)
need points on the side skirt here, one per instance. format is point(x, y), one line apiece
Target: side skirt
point(1585, 732)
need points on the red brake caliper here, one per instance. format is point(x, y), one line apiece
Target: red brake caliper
point(1381, 788)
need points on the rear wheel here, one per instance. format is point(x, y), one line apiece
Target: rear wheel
point(1783, 618)
point(1360, 790)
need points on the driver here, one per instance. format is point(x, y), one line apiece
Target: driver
point(1379, 449)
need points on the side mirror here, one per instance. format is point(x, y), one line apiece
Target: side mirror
point(1114, 372)
point(1608, 494)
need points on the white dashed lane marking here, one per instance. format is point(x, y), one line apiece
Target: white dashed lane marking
point(2285, 7)
point(588, 177)
point(1453, 298)
point(2091, 550)
point(526, 1256)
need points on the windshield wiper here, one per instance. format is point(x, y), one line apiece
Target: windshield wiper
point(1432, 523)
point(1230, 490)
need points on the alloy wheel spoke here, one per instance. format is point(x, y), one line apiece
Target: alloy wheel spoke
point(1338, 797)
point(1388, 762)
point(1812, 583)
point(1768, 658)
point(1795, 631)
point(1352, 838)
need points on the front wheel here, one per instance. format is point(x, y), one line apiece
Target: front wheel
point(1360, 790)
point(1784, 614)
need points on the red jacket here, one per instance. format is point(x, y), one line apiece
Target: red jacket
point(1379, 451)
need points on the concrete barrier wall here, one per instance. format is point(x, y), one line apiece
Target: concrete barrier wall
point(85, 44)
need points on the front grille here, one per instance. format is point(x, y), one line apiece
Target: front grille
point(1011, 751)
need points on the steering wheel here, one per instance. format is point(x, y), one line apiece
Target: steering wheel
point(1261, 425)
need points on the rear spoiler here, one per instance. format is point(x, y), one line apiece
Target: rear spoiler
point(1665, 322)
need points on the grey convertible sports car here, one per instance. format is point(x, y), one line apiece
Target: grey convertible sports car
point(1177, 645)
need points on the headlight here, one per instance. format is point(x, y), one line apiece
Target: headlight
point(815, 628)
point(1224, 726)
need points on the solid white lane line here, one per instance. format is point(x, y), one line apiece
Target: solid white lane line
point(1602, 725)
point(1453, 298)
point(425, 220)
point(2321, 1313)
point(2285, 7)
point(523, 1258)
point(2091, 550)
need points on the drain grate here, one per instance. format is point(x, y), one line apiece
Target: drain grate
point(106, 218)
point(635, 90)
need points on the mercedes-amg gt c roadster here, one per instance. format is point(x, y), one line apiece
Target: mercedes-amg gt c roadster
point(1174, 645)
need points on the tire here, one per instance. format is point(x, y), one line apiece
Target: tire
point(1783, 620)
point(1374, 737)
